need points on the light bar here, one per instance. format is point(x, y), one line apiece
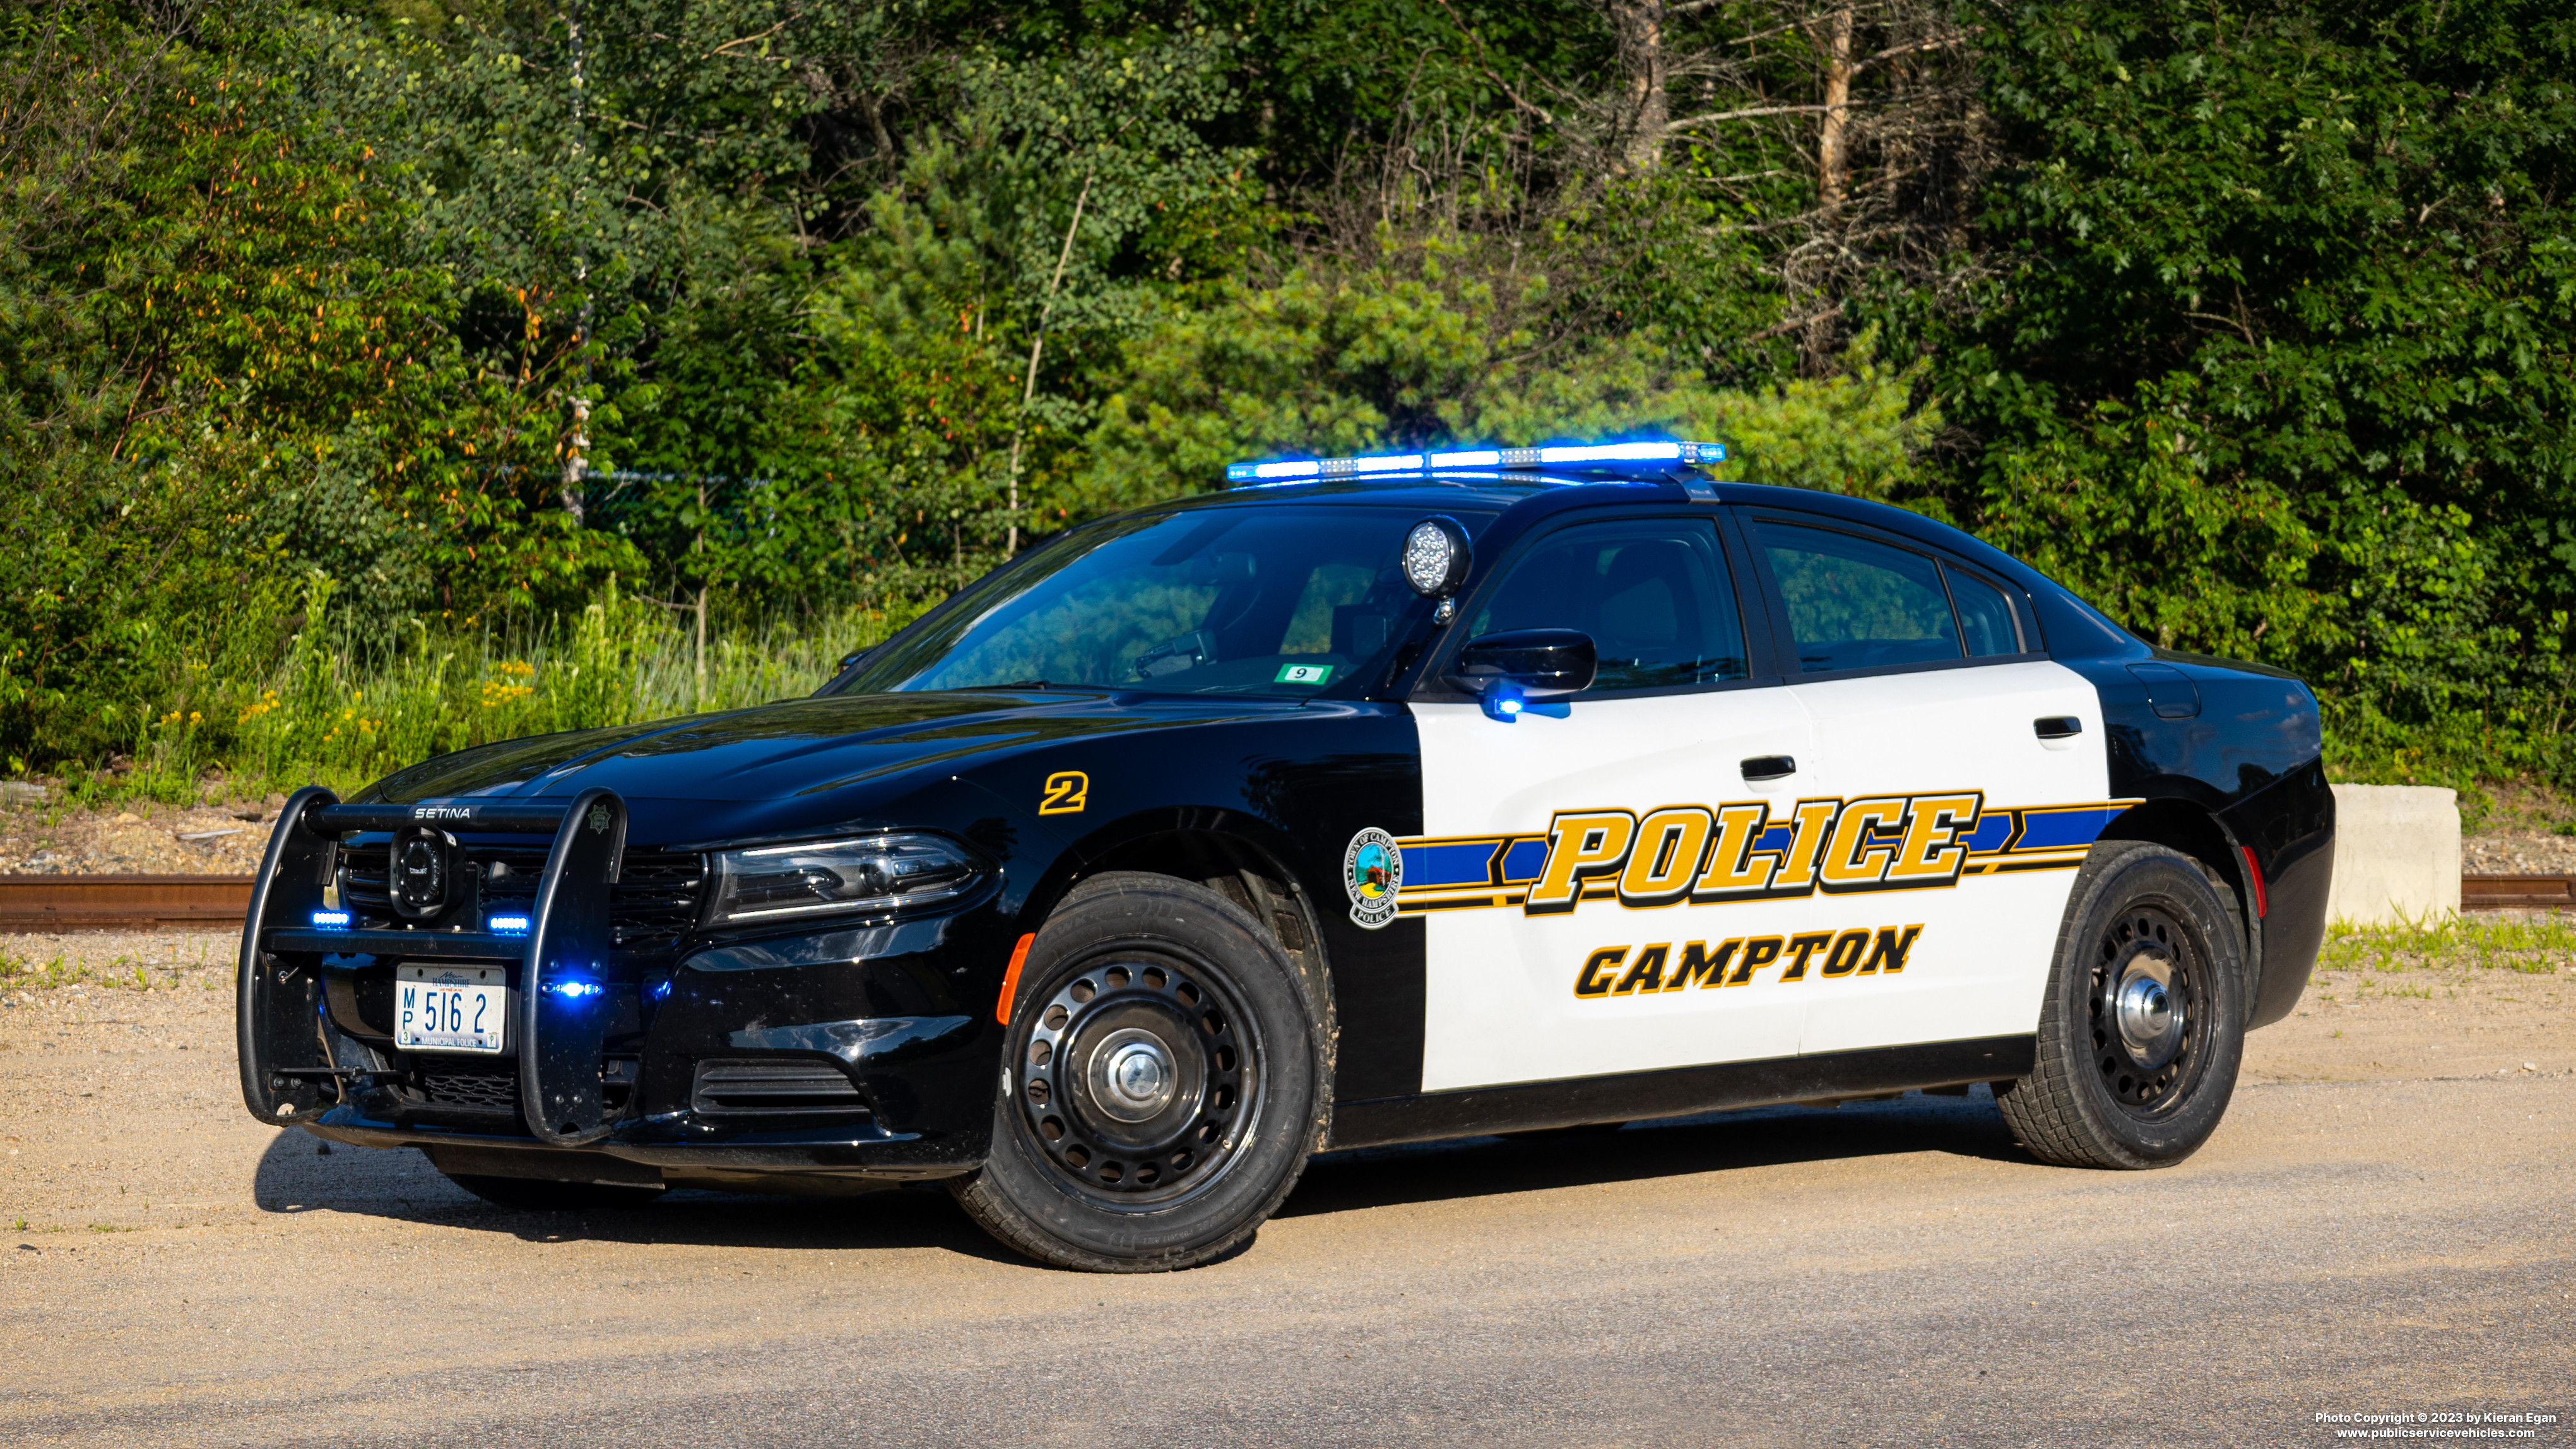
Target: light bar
point(1299, 470)
point(508, 925)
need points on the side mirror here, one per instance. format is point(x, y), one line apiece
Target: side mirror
point(1508, 670)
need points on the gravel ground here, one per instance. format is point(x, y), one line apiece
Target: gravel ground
point(2521, 852)
point(2380, 1226)
point(137, 839)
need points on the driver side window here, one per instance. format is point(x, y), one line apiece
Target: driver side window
point(1654, 594)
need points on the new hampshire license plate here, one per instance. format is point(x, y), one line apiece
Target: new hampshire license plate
point(451, 1008)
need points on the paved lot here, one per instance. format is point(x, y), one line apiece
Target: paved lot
point(2387, 1222)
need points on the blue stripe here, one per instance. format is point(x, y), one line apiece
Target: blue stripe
point(2063, 829)
point(1524, 860)
point(1448, 865)
point(1993, 829)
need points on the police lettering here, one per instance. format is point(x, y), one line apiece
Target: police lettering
point(1740, 852)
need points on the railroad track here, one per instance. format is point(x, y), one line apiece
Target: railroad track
point(2516, 892)
point(35, 904)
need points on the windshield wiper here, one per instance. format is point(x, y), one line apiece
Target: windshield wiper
point(1014, 684)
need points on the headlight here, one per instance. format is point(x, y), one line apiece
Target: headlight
point(871, 873)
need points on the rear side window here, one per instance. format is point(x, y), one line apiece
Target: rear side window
point(1985, 619)
point(1856, 603)
point(1653, 594)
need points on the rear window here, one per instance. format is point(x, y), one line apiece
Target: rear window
point(1856, 603)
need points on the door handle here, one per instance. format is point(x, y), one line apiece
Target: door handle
point(2056, 726)
point(1769, 767)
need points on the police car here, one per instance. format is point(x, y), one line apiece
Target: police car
point(1372, 800)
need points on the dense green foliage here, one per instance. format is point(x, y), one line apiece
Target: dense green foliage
point(2278, 361)
point(377, 381)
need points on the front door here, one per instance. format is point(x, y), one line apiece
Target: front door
point(1594, 877)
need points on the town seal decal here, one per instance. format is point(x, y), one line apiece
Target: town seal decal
point(1372, 869)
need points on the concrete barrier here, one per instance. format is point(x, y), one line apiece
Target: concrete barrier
point(2396, 855)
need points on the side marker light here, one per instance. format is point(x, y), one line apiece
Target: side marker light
point(2254, 873)
point(1011, 978)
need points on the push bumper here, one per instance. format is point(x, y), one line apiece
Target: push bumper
point(844, 1054)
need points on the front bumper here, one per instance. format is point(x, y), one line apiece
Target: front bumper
point(856, 1052)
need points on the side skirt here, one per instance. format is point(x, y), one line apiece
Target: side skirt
point(1679, 1092)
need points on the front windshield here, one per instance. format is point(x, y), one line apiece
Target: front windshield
point(1256, 599)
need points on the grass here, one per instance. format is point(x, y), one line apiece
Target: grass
point(2535, 945)
point(341, 711)
point(124, 973)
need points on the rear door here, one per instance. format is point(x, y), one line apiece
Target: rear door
point(1960, 806)
point(1572, 924)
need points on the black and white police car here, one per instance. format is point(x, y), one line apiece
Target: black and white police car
point(1373, 800)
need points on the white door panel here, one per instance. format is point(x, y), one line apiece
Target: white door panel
point(1500, 1003)
point(1981, 963)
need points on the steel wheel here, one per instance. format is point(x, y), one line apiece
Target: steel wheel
point(2150, 1004)
point(1141, 1076)
point(1164, 1076)
point(2143, 1024)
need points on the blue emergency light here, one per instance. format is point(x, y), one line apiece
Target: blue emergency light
point(330, 920)
point(1567, 455)
point(508, 925)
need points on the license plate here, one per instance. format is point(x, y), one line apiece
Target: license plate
point(451, 1009)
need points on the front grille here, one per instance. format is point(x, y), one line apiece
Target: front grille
point(468, 1086)
point(653, 904)
point(757, 1088)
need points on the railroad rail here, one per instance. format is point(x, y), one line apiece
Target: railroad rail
point(2517, 892)
point(38, 904)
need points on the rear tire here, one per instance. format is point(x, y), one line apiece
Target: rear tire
point(1163, 1083)
point(539, 1195)
point(2142, 1028)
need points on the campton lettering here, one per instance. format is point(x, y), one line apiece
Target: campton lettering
point(1662, 967)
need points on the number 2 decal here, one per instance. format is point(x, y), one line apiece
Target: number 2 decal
point(1067, 791)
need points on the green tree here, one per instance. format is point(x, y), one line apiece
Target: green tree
point(2295, 281)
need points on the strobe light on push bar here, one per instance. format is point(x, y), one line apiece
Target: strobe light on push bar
point(1300, 470)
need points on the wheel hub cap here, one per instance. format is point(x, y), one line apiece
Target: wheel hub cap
point(1132, 1076)
point(1140, 1079)
point(2149, 1017)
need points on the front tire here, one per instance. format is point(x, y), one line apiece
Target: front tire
point(1163, 1083)
point(2142, 1029)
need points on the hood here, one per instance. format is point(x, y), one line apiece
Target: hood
point(804, 749)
